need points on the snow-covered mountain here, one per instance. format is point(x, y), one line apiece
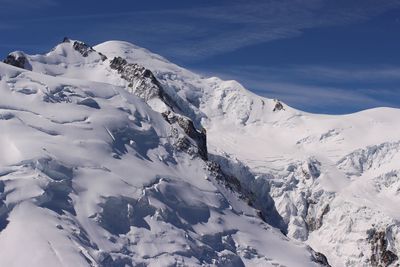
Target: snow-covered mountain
point(114, 156)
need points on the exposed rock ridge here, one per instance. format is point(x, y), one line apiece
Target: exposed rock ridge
point(17, 59)
point(199, 137)
point(145, 85)
point(83, 48)
point(142, 82)
point(381, 255)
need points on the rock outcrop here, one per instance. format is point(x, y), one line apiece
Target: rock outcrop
point(380, 253)
point(142, 82)
point(278, 106)
point(199, 137)
point(17, 59)
point(319, 258)
point(85, 49)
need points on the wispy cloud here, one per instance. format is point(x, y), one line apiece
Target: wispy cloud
point(326, 74)
point(325, 99)
point(201, 32)
point(344, 74)
point(224, 26)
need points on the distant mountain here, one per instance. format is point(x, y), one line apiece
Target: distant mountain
point(113, 156)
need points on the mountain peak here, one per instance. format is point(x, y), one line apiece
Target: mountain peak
point(128, 159)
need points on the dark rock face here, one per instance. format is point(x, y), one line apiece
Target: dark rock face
point(17, 60)
point(146, 85)
point(380, 255)
point(84, 49)
point(320, 258)
point(278, 106)
point(4, 210)
point(229, 181)
point(199, 137)
point(314, 168)
point(141, 80)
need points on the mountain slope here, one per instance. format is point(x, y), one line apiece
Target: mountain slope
point(301, 158)
point(328, 181)
point(93, 176)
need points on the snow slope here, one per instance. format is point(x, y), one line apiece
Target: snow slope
point(331, 182)
point(306, 160)
point(92, 176)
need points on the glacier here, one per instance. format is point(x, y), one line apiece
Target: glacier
point(113, 156)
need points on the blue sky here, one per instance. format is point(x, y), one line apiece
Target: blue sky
point(322, 56)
